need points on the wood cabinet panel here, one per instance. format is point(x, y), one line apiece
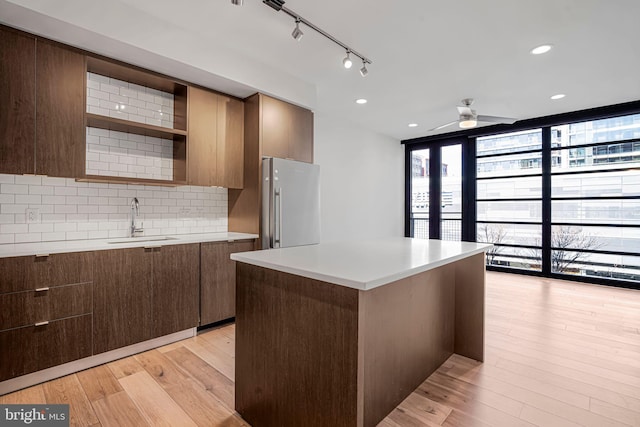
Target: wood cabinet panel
point(30, 349)
point(176, 285)
point(301, 134)
point(31, 272)
point(201, 140)
point(218, 279)
point(60, 107)
point(30, 307)
point(274, 127)
point(18, 95)
point(230, 143)
point(122, 302)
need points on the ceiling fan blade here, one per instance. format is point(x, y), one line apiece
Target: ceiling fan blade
point(467, 111)
point(443, 126)
point(496, 119)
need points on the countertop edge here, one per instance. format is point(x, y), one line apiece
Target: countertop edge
point(69, 246)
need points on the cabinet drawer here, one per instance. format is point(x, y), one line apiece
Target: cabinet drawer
point(31, 272)
point(30, 307)
point(32, 348)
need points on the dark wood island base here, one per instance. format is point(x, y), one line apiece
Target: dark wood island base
point(312, 353)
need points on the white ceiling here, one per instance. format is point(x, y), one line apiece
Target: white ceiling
point(427, 55)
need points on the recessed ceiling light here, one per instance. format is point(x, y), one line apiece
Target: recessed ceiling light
point(541, 49)
point(558, 96)
point(412, 125)
point(361, 101)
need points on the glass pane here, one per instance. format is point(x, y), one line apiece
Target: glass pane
point(509, 188)
point(515, 164)
point(596, 265)
point(511, 234)
point(622, 183)
point(596, 211)
point(604, 130)
point(510, 211)
point(451, 205)
point(420, 193)
point(600, 157)
point(509, 142)
point(521, 258)
point(616, 239)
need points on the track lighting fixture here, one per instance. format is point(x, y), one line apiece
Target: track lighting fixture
point(278, 5)
point(297, 32)
point(347, 62)
point(237, 2)
point(363, 70)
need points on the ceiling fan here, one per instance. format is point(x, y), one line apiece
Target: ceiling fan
point(468, 118)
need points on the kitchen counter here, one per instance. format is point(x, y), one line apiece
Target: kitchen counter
point(340, 334)
point(26, 249)
point(362, 265)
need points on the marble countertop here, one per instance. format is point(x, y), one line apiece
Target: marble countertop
point(43, 248)
point(362, 264)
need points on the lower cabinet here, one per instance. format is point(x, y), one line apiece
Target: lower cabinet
point(218, 279)
point(122, 302)
point(143, 293)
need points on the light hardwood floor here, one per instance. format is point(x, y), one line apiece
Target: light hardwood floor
point(557, 354)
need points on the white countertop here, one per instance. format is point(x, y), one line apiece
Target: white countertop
point(25, 249)
point(363, 264)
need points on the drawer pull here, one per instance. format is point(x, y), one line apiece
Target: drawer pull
point(46, 322)
point(42, 289)
point(152, 247)
point(42, 255)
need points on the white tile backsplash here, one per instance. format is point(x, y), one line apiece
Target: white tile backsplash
point(128, 101)
point(71, 210)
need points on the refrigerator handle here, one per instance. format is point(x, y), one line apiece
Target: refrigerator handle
point(278, 218)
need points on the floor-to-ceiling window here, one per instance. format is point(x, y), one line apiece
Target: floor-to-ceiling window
point(557, 196)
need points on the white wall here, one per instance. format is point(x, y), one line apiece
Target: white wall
point(362, 181)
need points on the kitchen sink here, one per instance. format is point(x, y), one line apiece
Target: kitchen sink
point(141, 239)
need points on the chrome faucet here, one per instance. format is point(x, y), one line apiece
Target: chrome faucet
point(135, 211)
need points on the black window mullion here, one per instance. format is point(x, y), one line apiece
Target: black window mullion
point(435, 191)
point(469, 190)
point(408, 174)
point(546, 200)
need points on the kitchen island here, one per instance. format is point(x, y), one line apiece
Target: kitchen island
point(339, 334)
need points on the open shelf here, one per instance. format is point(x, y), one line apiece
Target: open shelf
point(128, 180)
point(111, 123)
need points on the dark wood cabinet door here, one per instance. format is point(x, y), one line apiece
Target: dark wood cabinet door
point(274, 127)
point(176, 285)
point(230, 148)
point(218, 279)
point(122, 298)
point(30, 272)
point(32, 348)
point(301, 134)
point(18, 95)
point(60, 107)
point(201, 141)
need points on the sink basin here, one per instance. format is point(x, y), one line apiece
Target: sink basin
point(141, 239)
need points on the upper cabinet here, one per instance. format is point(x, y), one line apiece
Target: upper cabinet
point(286, 130)
point(215, 143)
point(41, 116)
point(18, 106)
point(60, 129)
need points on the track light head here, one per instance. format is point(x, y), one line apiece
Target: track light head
point(347, 62)
point(363, 70)
point(297, 32)
point(237, 2)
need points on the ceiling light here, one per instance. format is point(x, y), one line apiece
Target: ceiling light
point(363, 70)
point(467, 121)
point(558, 96)
point(361, 101)
point(297, 32)
point(237, 2)
point(413, 125)
point(347, 62)
point(541, 49)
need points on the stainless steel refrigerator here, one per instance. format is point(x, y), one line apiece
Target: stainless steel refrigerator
point(290, 203)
